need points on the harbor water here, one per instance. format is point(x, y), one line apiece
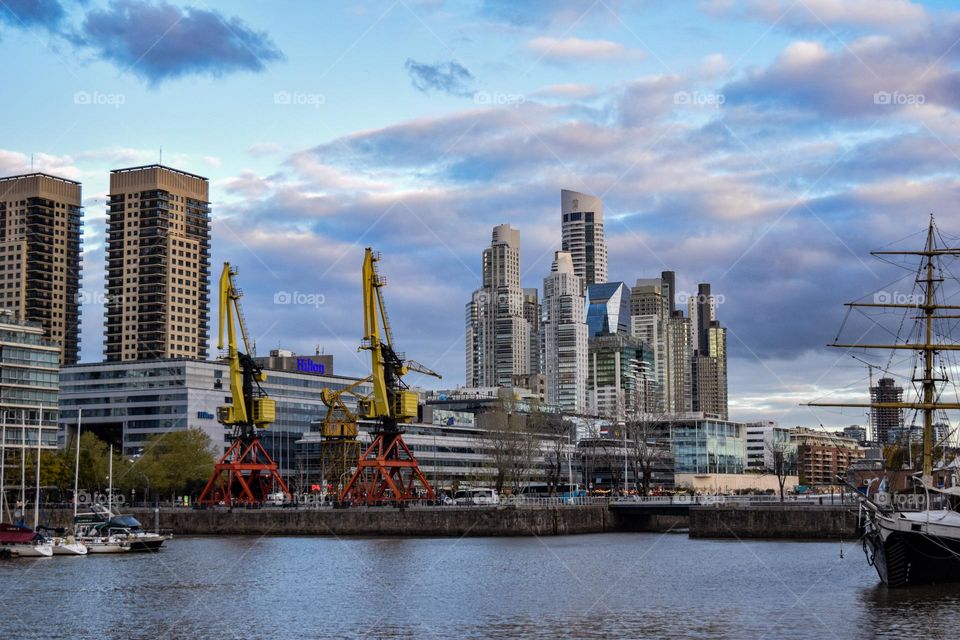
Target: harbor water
point(590, 586)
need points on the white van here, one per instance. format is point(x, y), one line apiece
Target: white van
point(476, 496)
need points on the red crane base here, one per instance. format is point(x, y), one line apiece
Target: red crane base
point(387, 472)
point(245, 475)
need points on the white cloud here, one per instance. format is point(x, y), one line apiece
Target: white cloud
point(572, 49)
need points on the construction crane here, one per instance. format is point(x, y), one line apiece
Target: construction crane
point(245, 474)
point(387, 471)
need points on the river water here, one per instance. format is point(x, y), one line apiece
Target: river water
point(593, 586)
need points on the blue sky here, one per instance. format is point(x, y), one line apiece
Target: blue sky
point(764, 146)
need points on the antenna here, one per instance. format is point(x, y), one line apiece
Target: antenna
point(31, 163)
point(161, 154)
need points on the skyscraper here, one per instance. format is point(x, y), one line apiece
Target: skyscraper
point(608, 308)
point(532, 313)
point(709, 361)
point(158, 264)
point(678, 363)
point(565, 336)
point(498, 333)
point(40, 256)
point(887, 423)
point(582, 235)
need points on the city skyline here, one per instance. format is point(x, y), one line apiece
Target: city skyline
point(306, 171)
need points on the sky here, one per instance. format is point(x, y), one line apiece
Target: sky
point(764, 146)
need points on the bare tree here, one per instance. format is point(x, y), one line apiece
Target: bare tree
point(512, 445)
point(784, 458)
point(646, 449)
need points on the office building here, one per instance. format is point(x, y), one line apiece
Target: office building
point(158, 265)
point(855, 432)
point(29, 363)
point(565, 336)
point(497, 331)
point(608, 308)
point(884, 421)
point(40, 223)
point(702, 444)
point(127, 403)
point(763, 440)
point(582, 235)
point(620, 376)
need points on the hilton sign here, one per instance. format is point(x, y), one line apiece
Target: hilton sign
point(309, 366)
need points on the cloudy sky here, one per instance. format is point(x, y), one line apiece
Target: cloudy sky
point(765, 146)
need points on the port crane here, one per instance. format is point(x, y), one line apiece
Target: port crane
point(246, 474)
point(387, 472)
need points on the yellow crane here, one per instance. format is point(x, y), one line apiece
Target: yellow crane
point(387, 471)
point(245, 474)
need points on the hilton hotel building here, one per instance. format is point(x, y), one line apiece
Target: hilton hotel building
point(158, 265)
point(40, 257)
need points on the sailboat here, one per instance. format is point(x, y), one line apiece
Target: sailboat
point(17, 540)
point(918, 546)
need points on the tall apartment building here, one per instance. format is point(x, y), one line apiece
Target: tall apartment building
point(498, 333)
point(582, 235)
point(649, 307)
point(886, 422)
point(40, 256)
point(29, 366)
point(531, 313)
point(158, 264)
point(710, 373)
point(678, 346)
point(709, 359)
point(565, 336)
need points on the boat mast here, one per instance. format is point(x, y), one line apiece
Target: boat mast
point(928, 404)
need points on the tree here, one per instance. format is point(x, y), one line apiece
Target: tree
point(645, 448)
point(554, 433)
point(784, 457)
point(174, 462)
point(512, 445)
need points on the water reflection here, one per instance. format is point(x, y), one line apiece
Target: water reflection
point(598, 586)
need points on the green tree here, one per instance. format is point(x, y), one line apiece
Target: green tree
point(179, 462)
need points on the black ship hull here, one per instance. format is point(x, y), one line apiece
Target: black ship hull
point(913, 558)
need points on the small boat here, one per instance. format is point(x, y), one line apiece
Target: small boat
point(107, 544)
point(22, 542)
point(68, 546)
point(101, 523)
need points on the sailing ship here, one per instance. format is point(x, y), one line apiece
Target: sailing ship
point(922, 545)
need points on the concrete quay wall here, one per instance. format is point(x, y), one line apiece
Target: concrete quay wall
point(376, 521)
point(774, 521)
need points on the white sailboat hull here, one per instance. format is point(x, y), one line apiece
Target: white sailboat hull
point(44, 550)
point(64, 548)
